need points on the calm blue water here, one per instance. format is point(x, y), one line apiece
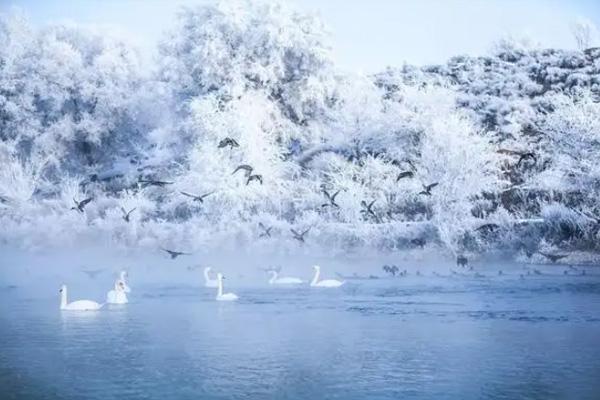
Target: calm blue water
point(427, 337)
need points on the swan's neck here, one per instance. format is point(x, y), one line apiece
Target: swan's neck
point(206, 277)
point(63, 298)
point(220, 291)
point(273, 277)
point(316, 277)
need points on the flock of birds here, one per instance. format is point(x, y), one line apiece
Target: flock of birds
point(250, 176)
point(118, 295)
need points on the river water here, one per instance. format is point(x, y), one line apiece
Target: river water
point(433, 336)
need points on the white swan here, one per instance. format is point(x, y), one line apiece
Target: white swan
point(325, 283)
point(79, 305)
point(117, 295)
point(208, 282)
point(224, 296)
point(286, 280)
point(123, 277)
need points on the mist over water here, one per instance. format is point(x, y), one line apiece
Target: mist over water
point(432, 336)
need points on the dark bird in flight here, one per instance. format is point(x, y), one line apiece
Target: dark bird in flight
point(427, 189)
point(92, 273)
point(80, 205)
point(195, 197)
point(299, 236)
point(254, 178)
point(266, 231)
point(228, 142)
point(244, 167)
point(368, 208)
point(126, 214)
point(525, 156)
point(553, 257)
point(175, 254)
point(487, 227)
point(331, 199)
point(405, 174)
point(152, 182)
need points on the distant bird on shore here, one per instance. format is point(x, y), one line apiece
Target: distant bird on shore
point(80, 205)
point(244, 167)
point(420, 242)
point(553, 257)
point(152, 182)
point(196, 197)
point(266, 231)
point(255, 177)
point(175, 254)
point(299, 236)
point(331, 199)
point(404, 174)
point(427, 189)
point(228, 142)
point(126, 214)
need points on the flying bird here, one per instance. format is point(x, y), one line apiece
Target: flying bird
point(195, 197)
point(368, 208)
point(92, 273)
point(254, 178)
point(427, 189)
point(405, 174)
point(525, 156)
point(487, 227)
point(299, 236)
point(266, 231)
point(553, 257)
point(244, 167)
point(228, 142)
point(175, 254)
point(331, 199)
point(152, 182)
point(80, 205)
point(126, 214)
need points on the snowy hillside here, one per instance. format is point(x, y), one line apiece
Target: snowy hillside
point(245, 133)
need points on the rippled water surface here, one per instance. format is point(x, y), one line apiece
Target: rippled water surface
point(415, 337)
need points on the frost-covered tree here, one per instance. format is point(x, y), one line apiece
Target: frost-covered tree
point(65, 94)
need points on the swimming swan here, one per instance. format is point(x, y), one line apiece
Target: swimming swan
point(286, 280)
point(325, 283)
point(208, 282)
point(79, 305)
point(123, 276)
point(117, 295)
point(224, 296)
